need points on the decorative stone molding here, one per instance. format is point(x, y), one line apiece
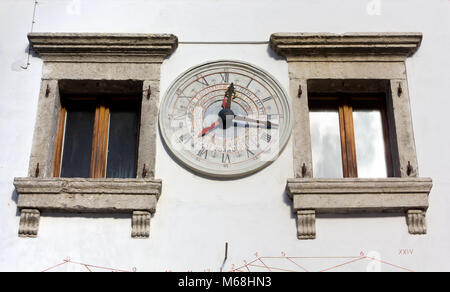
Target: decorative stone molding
point(94, 47)
point(306, 224)
point(416, 222)
point(91, 63)
point(140, 224)
point(109, 59)
point(341, 196)
point(29, 223)
point(87, 196)
point(358, 63)
point(350, 46)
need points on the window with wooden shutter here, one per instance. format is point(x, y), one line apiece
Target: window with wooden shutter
point(97, 137)
point(349, 136)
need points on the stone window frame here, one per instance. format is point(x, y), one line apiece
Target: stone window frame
point(103, 58)
point(353, 56)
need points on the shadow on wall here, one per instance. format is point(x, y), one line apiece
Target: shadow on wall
point(274, 55)
point(23, 62)
point(15, 199)
point(289, 203)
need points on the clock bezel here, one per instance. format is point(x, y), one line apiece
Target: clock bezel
point(236, 64)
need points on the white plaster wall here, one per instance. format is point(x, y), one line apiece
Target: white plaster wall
point(196, 216)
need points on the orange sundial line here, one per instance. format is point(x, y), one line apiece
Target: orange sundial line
point(264, 264)
point(297, 264)
point(278, 269)
point(392, 265)
point(99, 267)
point(241, 267)
point(349, 257)
point(341, 265)
point(54, 267)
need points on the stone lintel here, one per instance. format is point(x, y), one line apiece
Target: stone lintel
point(348, 46)
point(360, 195)
point(88, 195)
point(103, 47)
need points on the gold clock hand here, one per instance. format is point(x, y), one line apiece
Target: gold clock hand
point(229, 95)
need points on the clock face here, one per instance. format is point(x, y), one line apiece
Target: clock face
point(225, 119)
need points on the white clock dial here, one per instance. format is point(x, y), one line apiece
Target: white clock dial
point(225, 118)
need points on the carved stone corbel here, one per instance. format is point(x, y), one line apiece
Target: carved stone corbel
point(306, 224)
point(416, 220)
point(80, 195)
point(29, 223)
point(140, 226)
point(355, 196)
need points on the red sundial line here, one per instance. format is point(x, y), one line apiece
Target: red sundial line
point(99, 267)
point(63, 263)
point(284, 270)
point(349, 257)
point(264, 264)
point(88, 268)
point(386, 263)
point(297, 264)
point(347, 263)
point(247, 268)
point(247, 264)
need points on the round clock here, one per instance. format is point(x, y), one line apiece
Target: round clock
point(225, 119)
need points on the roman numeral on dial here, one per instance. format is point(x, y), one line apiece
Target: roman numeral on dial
point(185, 138)
point(266, 137)
point(250, 153)
point(225, 158)
point(225, 77)
point(203, 152)
point(202, 81)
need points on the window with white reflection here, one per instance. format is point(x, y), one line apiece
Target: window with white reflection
point(349, 136)
point(326, 143)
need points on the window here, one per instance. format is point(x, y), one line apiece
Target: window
point(352, 120)
point(349, 136)
point(97, 137)
point(97, 92)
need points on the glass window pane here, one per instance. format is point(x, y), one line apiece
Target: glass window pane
point(122, 149)
point(326, 144)
point(76, 161)
point(369, 138)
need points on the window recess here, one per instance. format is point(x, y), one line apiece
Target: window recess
point(97, 137)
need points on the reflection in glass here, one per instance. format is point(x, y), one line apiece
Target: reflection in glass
point(76, 160)
point(326, 144)
point(122, 151)
point(369, 139)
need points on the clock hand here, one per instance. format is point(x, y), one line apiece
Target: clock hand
point(207, 129)
point(268, 124)
point(229, 95)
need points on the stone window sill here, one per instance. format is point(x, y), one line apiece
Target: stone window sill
point(344, 196)
point(137, 196)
